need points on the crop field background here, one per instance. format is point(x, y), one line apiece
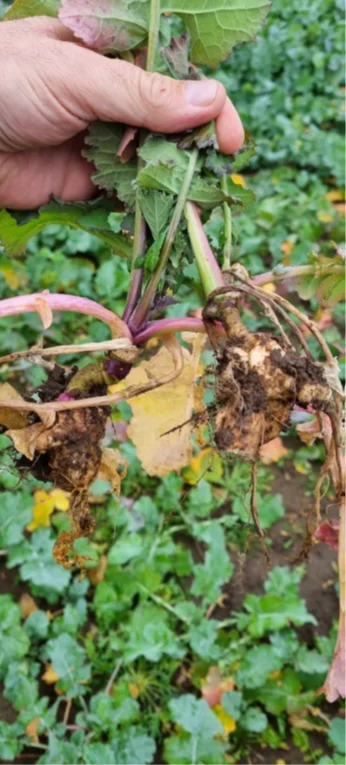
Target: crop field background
point(179, 644)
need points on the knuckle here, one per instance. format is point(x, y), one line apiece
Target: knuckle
point(155, 91)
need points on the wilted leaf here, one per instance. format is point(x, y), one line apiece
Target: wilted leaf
point(273, 451)
point(11, 418)
point(176, 57)
point(112, 468)
point(109, 26)
point(228, 723)
point(207, 464)
point(31, 730)
point(25, 439)
point(216, 26)
point(154, 415)
point(44, 311)
point(328, 532)
point(96, 575)
point(50, 676)
point(214, 686)
point(27, 605)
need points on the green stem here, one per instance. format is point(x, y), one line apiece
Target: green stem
point(227, 250)
point(145, 303)
point(209, 269)
point(153, 35)
point(139, 232)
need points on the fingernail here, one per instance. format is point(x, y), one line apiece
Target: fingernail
point(201, 93)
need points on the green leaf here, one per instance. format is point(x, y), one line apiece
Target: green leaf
point(202, 638)
point(21, 9)
point(36, 625)
point(125, 550)
point(82, 546)
point(164, 165)
point(15, 514)
point(133, 746)
point(14, 642)
point(152, 256)
point(336, 734)
point(215, 27)
point(14, 236)
point(232, 702)
point(187, 750)
point(94, 754)
point(110, 26)
point(194, 716)
point(257, 664)
point(20, 689)
point(104, 139)
point(10, 746)
point(59, 751)
point(280, 693)
point(149, 635)
point(156, 207)
point(254, 720)
point(217, 567)
point(271, 612)
point(68, 659)
point(311, 662)
point(37, 563)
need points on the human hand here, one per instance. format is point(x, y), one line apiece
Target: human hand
point(51, 88)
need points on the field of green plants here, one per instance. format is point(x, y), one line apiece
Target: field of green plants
point(177, 642)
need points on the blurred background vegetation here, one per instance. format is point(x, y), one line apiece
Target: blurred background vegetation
point(178, 646)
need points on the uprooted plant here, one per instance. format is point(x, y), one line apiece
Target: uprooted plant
point(169, 187)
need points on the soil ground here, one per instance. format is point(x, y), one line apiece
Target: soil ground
point(250, 573)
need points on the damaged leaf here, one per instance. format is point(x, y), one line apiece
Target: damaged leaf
point(109, 26)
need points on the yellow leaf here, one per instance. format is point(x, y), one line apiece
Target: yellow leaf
point(164, 409)
point(206, 464)
point(335, 196)
point(239, 180)
point(10, 276)
point(324, 217)
point(32, 730)
point(50, 676)
point(229, 724)
point(134, 690)
point(280, 761)
point(61, 500)
point(44, 505)
point(11, 418)
point(286, 247)
point(27, 605)
point(270, 287)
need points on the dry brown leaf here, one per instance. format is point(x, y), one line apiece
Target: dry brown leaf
point(11, 418)
point(50, 676)
point(25, 439)
point(161, 410)
point(273, 451)
point(112, 468)
point(32, 730)
point(44, 311)
point(96, 575)
point(27, 605)
point(215, 685)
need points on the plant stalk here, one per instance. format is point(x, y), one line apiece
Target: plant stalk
point(227, 250)
point(211, 275)
point(145, 303)
point(292, 272)
point(139, 234)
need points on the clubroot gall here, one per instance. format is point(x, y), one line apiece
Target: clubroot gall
point(169, 185)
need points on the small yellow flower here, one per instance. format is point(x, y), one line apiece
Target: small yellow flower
point(239, 180)
point(44, 505)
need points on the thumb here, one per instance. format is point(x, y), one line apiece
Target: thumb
point(116, 91)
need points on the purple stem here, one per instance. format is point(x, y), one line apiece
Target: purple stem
point(133, 293)
point(56, 302)
point(167, 326)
